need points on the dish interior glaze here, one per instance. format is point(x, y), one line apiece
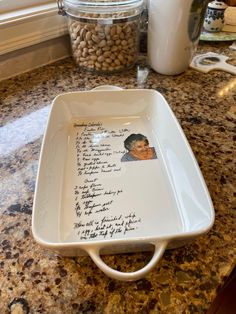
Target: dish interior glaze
point(107, 193)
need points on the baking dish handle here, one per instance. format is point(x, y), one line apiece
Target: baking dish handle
point(106, 87)
point(94, 253)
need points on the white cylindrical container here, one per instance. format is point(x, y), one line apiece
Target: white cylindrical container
point(174, 29)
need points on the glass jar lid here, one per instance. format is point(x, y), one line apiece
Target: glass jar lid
point(104, 8)
point(102, 3)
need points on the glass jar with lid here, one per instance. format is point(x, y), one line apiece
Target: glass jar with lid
point(104, 33)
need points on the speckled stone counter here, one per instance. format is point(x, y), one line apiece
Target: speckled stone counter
point(34, 280)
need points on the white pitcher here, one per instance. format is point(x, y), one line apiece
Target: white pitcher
point(174, 28)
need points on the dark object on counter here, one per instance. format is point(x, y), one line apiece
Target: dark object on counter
point(225, 302)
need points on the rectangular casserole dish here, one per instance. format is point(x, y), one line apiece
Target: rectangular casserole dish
point(94, 197)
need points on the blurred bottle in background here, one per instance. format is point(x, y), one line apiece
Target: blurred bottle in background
point(144, 27)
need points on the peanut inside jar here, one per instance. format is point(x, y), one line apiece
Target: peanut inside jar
point(104, 47)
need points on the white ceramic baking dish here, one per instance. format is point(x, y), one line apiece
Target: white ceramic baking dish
point(95, 196)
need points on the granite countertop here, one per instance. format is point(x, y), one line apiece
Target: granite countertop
point(186, 280)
